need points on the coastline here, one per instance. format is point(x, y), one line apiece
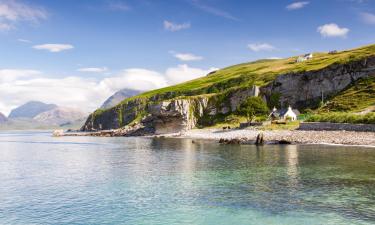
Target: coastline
point(249, 136)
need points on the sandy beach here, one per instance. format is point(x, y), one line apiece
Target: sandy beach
point(247, 136)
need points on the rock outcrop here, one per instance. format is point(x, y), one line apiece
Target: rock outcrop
point(169, 116)
point(302, 90)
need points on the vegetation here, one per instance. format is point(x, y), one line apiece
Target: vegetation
point(357, 97)
point(292, 125)
point(368, 118)
point(220, 84)
point(251, 107)
point(259, 73)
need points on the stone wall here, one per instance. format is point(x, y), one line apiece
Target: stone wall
point(319, 126)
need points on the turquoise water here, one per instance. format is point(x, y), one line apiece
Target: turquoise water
point(90, 180)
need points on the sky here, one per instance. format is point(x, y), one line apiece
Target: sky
point(76, 53)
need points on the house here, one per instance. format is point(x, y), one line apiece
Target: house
point(308, 56)
point(332, 52)
point(305, 57)
point(284, 114)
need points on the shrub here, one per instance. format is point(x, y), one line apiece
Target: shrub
point(252, 107)
point(368, 118)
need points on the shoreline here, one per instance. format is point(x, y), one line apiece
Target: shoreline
point(249, 136)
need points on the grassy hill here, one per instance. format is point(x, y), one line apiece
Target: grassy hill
point(224, 83)
point(259, 73)
point(356, 98)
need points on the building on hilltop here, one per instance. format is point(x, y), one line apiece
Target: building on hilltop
point(305, 57)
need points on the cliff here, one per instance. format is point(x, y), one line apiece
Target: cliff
point(203, 101)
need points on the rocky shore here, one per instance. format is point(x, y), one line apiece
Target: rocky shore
point(247, 136)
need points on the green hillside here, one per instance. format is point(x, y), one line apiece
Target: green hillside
point(221, 84)
point(358, 97)
point(259, 73)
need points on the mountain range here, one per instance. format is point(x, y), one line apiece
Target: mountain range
point(39, 115)
point(117, 97)
point(30, 109)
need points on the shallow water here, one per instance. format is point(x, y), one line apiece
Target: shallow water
point(91, 180)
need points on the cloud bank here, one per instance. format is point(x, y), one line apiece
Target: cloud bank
point(19, 86)
point(13, 12)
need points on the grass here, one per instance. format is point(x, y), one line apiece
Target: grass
point(355, 98)
point(368, 118)
point(259, 73)
point(288, 126)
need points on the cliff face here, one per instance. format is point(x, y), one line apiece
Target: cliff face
point(168, 116)
point(302, 90)
point(161, 114)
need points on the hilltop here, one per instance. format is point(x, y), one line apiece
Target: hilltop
point(215, 97)
point(30, 109)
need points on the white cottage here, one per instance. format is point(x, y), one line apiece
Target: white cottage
point(305, 57)
point(289, 114)
point(284, 114)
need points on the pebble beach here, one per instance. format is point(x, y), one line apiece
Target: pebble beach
point(294, 136)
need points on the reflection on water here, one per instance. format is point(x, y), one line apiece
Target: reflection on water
point(88, 180)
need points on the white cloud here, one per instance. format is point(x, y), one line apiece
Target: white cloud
point(20, 86)
point(93, 69)
point(53, 47)
point(332, 30)
point(23, 40)
point(118, 6)
point(14, 11)
point(135, 78)
point(183, 73)
point(368, 18)
point(170, 26)
point(261, 47)
point(296, 5)
point(187, 57)
point(8, 75)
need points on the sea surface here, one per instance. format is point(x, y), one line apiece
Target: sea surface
point(98, 180)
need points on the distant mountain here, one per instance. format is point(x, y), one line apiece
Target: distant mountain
point(118, 97)
point(30, 109)
point(60, 116)
point(3, 118)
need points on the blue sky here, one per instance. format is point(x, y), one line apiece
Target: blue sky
point(58, 46)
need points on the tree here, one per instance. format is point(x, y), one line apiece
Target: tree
point(252, 107)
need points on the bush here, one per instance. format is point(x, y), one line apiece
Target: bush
point(368, 118)
point(252, 107)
